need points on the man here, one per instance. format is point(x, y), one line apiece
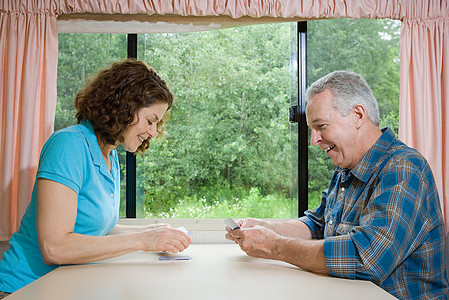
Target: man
point(379, 220)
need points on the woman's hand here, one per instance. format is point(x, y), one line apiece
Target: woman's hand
point(154, 226)
point(164, 238)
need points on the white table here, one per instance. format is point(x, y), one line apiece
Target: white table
point(216, 271)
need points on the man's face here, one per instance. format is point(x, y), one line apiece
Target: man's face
point(331, 131)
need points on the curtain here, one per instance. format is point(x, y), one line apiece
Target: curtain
point(29, 51)
point(424, 97)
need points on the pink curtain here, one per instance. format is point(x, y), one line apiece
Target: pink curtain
point(424, 98)
point(29, 51)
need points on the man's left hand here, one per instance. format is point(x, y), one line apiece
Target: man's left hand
point(256, 241)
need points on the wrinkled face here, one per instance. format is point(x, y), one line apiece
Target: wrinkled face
point(331, 131)
point(144, 126)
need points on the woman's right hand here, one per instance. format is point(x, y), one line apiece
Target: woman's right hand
point(164, 239)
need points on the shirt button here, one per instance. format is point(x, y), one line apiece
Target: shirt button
point(112, 195)
point(330, 222)
point(342, 189)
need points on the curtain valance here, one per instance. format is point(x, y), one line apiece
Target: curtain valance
point(393, 9)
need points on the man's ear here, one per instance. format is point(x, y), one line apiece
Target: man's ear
point(359, 115)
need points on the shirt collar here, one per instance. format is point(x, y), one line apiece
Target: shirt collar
point(370, 161)
point(94, 147)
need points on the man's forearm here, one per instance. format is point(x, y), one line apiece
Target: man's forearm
point(306, 254)
point(292, 228)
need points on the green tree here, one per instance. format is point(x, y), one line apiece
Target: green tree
point(80, 56)
point(229, 126)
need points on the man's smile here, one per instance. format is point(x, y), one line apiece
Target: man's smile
point(329, 148)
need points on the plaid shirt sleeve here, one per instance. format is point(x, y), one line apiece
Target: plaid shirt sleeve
point(314, 219)
point(400, 214)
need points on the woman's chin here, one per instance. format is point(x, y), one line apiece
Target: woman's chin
point(132, 149)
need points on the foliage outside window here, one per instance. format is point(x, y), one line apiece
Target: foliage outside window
point(230, 150)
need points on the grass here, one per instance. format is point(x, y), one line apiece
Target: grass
point(252, 205)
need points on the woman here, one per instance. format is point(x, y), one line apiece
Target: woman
point(76, 197)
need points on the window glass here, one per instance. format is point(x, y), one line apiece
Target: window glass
point(367, 47)
point(81, 55)
point(228, 147)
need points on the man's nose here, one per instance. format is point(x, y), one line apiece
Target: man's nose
point(315, 137)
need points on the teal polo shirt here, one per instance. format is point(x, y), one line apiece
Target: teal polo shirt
point(72, 157)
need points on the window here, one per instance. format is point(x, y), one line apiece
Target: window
point(367, 47)
point(230, 148)
point(228, 152)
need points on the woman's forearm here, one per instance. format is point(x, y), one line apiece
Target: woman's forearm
point(77, 248)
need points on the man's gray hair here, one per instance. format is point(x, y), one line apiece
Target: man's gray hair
point(348, 89)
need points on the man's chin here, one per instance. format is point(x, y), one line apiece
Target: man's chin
point(337, 163)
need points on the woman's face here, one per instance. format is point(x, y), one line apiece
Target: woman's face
point(144, 126)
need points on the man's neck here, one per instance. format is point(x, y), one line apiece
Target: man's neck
point(368, 135)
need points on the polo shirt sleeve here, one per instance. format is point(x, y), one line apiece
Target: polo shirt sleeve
point(63, 160)
point(391, 227)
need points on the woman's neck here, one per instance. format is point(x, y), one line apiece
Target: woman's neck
point(106, 150)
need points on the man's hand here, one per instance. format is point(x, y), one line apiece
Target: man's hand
point(256, 241)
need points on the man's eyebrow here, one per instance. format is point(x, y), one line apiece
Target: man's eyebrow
point(318, 120)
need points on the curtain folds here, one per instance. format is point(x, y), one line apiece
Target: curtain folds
point(394, 9)
point(424, 97)
point(29, 54)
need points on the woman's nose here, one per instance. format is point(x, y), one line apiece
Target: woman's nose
point(152, 131)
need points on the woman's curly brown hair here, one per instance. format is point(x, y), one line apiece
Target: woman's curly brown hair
point(111, 99)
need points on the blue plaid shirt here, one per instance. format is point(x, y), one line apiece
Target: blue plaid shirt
point(382, 221)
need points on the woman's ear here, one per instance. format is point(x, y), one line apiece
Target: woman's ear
point(359, 115)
